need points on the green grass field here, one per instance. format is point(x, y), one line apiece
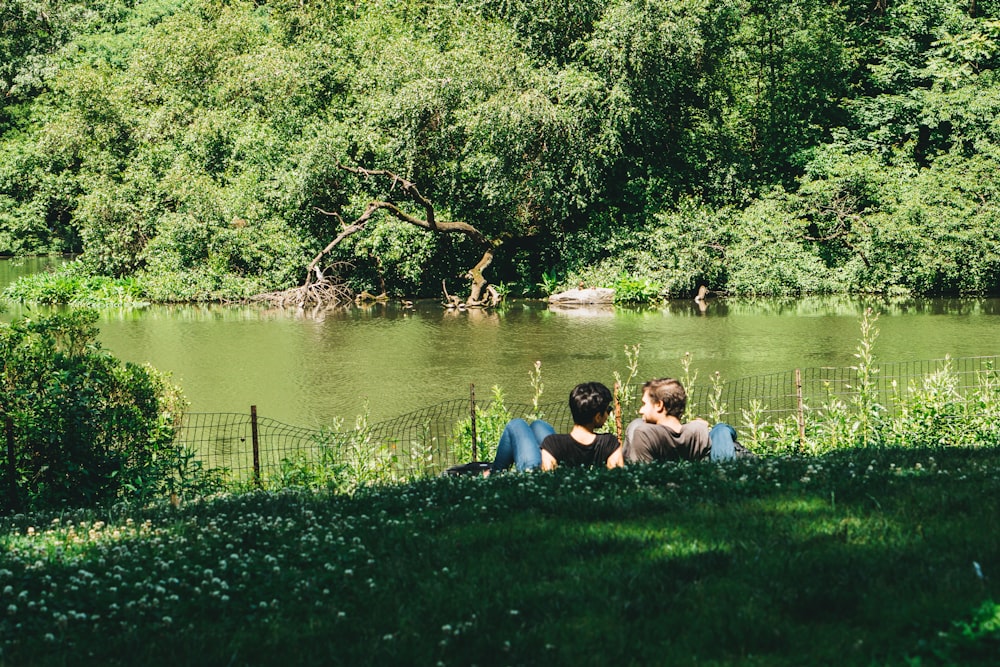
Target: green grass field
point(862, 557)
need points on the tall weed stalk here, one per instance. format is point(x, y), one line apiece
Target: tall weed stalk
point(688, 380)
point(537, 389)
point(869, 411)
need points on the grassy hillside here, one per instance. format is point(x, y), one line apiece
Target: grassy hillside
point(863, 557)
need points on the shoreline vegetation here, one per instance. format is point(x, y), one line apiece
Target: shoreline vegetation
point(68, 286)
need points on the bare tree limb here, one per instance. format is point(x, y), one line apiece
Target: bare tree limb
point(413, 193)
point(315, 274)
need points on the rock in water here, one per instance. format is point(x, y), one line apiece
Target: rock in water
point(590, 295)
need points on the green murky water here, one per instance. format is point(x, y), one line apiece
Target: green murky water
point(307, 371)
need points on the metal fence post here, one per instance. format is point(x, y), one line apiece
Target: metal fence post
point(255, 438)
point(800, 412)
point(472, 414)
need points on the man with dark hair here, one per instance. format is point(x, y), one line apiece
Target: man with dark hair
point(538, 445)
point(659, 435)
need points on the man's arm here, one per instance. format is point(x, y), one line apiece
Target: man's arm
point(617, 458)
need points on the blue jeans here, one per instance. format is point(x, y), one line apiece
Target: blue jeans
point(520, 444)
point(723, 438)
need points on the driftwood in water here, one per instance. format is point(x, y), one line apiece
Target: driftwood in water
point(322, 292)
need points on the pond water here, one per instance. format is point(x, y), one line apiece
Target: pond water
point(307, 371)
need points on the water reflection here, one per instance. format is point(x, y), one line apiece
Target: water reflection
point(582, 310)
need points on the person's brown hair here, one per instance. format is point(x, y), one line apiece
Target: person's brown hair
point(670, 392)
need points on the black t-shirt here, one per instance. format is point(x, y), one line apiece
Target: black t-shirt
point(569, 452)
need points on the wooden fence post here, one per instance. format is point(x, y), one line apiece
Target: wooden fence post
point(8, 429)
point(618, 412)
point(256, 445)
point(472, 414)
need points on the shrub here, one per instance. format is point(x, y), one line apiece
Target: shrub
point(87, 429)
point(347, 459)
point(70, 285)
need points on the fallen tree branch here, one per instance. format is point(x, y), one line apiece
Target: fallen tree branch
point(318, 286)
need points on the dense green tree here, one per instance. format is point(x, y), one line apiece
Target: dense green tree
point(195, 146)
point(791, 66)
point(553, 31)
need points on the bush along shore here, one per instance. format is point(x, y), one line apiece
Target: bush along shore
point(877, 556)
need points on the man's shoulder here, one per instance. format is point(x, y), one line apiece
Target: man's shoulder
point(656, 431)
point(696, 428)
point(654, 438)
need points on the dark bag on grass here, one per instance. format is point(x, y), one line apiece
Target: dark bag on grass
point(474, 468)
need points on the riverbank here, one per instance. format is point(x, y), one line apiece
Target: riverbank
point(860, 557)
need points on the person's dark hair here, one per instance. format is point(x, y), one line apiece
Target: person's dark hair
point(670, 392)
point(588, 400)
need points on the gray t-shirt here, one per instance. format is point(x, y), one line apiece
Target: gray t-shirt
point(645, 442)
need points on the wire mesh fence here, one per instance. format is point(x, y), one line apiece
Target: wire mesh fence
point(250, 446)
point(433, 438)
point(806, 390)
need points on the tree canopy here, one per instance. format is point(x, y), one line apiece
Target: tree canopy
point(193, 147)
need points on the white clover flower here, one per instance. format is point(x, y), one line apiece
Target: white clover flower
point(12, 609)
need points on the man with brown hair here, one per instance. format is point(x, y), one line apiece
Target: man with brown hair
point(659, 435)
